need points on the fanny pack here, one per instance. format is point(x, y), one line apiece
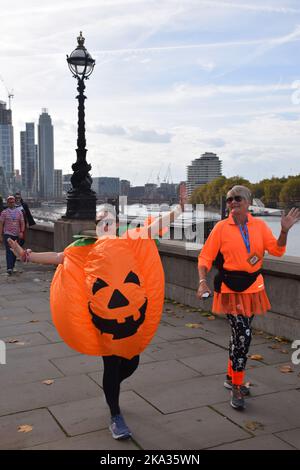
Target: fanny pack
point(237, 281)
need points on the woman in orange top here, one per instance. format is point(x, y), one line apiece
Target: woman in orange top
point(238, 244)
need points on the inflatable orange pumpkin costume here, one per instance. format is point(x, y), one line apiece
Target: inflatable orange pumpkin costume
point(107, 297)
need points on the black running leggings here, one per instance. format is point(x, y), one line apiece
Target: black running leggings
point(116, 369)
point(240, 340)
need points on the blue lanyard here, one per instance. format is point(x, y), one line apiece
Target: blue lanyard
point(245, 235)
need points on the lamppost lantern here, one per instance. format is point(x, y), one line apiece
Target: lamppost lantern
point(80, 61)
point(81, 199)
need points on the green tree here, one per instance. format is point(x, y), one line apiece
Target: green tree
point(290, 192)
point(272, 189)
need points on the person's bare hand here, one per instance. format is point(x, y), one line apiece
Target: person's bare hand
point(15, 248)
point(203, 289)
point(287, 221)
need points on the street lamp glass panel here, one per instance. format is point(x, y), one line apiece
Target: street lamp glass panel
point(81, 62)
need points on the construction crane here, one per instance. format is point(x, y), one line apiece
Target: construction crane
point(168, 175)
point(10, 93)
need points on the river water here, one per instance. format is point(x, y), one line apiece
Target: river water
point(49, 214)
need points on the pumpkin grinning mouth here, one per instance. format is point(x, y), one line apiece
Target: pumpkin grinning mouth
point(119, 330)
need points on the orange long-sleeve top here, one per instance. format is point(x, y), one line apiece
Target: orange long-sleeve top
point(227, 238)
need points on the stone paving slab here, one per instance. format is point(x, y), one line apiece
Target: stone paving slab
point(44, 429)
point(25, 341)
point(268, 442)
point(44, 327)
point(79, 417)
point(79, 364)
point(188, 394)
point(209, 363)
point(22, 371)
point(266, 414)
point(291, 437)
point(180, 349)
point(275, 380)
point(271, 356)
point(100, 440)
point(48, 351)
point(38, 395)
point(9, 316)
point(33, 305)
point(194, 429)
point(146, 374)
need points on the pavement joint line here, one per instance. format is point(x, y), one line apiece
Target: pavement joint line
point(282, 439)
point(149, 403)
point(92, 378)
point(54, 365)
point(230, 419)
point(192, 368)
point(23, 411)
point(58, 423)
point(233, 442)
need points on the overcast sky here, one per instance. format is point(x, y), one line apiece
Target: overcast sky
point(173, 79)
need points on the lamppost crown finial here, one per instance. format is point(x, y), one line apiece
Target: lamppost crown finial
point(80, 39)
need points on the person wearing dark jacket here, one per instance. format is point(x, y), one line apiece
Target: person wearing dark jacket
point(23, 207)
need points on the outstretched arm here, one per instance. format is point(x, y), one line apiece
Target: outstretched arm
point(164, 221)
point(41, 258)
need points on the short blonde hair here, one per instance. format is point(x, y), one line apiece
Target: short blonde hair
point(239, 190)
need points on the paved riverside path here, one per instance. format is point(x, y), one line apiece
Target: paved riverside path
point(175, 400)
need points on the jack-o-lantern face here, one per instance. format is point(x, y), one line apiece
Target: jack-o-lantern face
point(110, 289)
point(122, 318)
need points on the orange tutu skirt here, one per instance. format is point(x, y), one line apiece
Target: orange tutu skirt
point(237, 303)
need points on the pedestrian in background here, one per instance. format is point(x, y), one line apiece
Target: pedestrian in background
point(12, 226)
point(238, 244)
point(23, 207)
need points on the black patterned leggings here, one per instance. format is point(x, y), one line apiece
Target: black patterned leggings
point(116, 369)
point(240, 340)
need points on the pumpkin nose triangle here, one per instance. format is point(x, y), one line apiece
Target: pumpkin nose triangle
point(117, 300)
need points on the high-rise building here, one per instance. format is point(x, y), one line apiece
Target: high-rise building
point(46, 155)
point(29, 160)
point(67, 185)
point(58, 184)
point(203, 170)
point(6, 141)
point(124, 187)
point(108, 186)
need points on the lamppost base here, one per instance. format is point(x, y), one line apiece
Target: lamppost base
point(81, 206)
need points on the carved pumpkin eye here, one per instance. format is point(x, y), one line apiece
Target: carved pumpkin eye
point(132, 277)
point(99, 284)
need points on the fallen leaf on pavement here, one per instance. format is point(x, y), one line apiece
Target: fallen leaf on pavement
point(281, 339)
point(211, 317)
point(253, 425)
point(25, 428)
point(34, 321)
point(48, 382)
point(286, 369)
point(256, 357)
point(193, 325)
point(13, 341)
point(275, 346)
point(284, 351)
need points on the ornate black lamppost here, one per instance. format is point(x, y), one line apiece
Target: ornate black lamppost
point(81, 199)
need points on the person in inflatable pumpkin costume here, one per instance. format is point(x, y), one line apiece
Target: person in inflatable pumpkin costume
point(107, 297)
